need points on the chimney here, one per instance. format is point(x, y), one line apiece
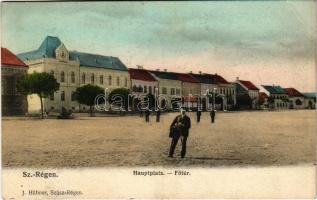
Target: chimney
point(140, 66)
point(237, 78)
point(165, 70)
point(200, 72)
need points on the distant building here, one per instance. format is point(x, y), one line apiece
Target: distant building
point(72, 69)
point(247, 87)
point(310, 100)
point(226, 90)
point(296, 99)
point(168, 84)
point(13, 103)
point(190, 90)
point(278, 97)
point(142, 82)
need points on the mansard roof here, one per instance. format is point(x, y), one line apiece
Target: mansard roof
point(95, 60)
point(274, 89)
point(50, 44)
point(46, 49)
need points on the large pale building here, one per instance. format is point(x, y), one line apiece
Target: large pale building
point(12, 102)
point(72, 69)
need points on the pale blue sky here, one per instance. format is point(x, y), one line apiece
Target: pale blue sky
point(264, 41)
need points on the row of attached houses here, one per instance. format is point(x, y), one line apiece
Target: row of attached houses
point(73, 69)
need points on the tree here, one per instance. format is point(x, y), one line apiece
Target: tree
point(87, 94)
point(270, 101)
point(298, 102)
point(123, 93)
point(244, 100)
point(43, 84)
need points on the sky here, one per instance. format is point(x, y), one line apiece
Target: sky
point(266, 42)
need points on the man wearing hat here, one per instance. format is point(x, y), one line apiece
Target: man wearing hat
point(179, 129)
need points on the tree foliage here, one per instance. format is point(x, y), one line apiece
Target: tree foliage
point(87, 94)
point(244, 100)
point(43, 84)
point(123, 93)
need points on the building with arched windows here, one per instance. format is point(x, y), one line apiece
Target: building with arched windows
point(72, 69)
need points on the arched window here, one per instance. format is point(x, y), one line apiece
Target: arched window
point(72, 77)
point(109, 80)
point(118, 81)
point(83, 78)
point(62, 76)
point(150, 89)
point(92, 78)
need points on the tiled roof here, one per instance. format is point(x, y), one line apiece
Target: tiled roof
point(274, 89)
point(249, 85)
point(219, 79)
point(164, 75)
point(140, 74)
point(100, 61)
point(310, 94)
point(292, 92)
point(47, 49)
point(203, 78)
point(50, 44)
point(8, 58)
point(186, 78)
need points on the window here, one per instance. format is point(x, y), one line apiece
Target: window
point(118, 81)
point(92, 78)
point(72, 77)
point(109, 80)
point(62, 76)
point(63, 96)
point(164, 90)
point(178, 91)
point(135, 88)
point(52, 108)
point(140, 88)
point(125, 82)
point(52, 97)
point(83, 78)
point(52, 72)
point(101, 79)
point(72, 98)
point(172, 91)
point(145, 89)
point(150, 89)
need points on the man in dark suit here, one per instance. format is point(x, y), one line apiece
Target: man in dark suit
point(158, 114)
point(179, 129)
point(212, 115)
point(198, 114)
point(147, 115)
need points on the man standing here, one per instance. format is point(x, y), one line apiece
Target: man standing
point(179, 129)
point(147, 115)
point(198, 114)
point(158, 114)
point(212, 115)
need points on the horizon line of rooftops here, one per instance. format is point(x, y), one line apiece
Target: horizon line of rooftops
point(51, 43)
